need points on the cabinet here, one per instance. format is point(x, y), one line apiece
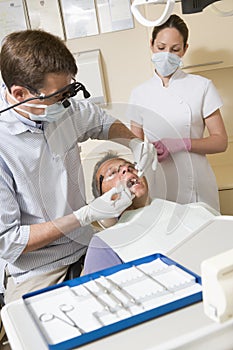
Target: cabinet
point(90, 73)
point(222, 165)
point(210, 44)
point(226, 201)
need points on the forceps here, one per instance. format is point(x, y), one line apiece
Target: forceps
point(105, 305)
point(152, 278)
point(65, 309)
point(113, 296)
point(124, 292)
point(140, 171)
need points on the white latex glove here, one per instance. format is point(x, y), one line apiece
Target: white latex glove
point(145, 155)
point(105, 207)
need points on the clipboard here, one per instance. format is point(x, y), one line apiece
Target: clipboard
point(72, 314)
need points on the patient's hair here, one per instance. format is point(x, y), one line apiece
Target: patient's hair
point(95, 181)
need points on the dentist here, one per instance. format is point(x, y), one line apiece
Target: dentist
point(44, 218)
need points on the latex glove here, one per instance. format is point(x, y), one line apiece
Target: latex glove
point(165, 147)
point(105, 207)
point(144, 154)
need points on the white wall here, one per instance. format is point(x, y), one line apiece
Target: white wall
point(125, 57)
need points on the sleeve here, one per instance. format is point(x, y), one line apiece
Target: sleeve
point(13, 236)
point(212, 101)
point(99, 256)
point(90, 121)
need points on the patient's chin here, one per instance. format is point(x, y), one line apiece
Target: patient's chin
point(138, 192)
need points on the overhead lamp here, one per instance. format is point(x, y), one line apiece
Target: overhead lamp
point(188, 6)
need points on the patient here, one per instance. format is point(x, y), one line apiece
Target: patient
point(112, 171)
point(145, 227)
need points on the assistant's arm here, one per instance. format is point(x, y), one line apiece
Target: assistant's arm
point(216, 141)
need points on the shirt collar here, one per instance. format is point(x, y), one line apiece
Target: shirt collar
point(177, 75)
point(16, 126)
point(28, 122)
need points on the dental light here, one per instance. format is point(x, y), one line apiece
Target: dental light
point(195, 6)
point(188, 6)
point(147, 23)
point(221, 13)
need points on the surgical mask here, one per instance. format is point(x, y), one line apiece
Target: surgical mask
point(166, 63)
point(51, 114)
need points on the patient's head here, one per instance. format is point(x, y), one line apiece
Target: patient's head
point(111, 171)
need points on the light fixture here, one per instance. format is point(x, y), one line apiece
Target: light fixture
point(188, 6)
point(165, 15)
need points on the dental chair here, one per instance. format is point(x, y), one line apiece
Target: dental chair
point(75, 269)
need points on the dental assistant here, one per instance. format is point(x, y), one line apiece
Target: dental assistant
point(44, 217)
point(172, 110)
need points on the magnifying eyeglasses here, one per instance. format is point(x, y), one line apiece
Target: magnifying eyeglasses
point(68, 91)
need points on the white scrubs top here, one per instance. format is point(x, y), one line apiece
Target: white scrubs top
point(178, 111)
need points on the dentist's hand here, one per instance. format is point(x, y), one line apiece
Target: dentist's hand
point(144, 154)
point(105, 207)
point(165, 147)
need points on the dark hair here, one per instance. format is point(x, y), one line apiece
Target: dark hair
point(28, 56)
point(95, 181)
point(173, 21)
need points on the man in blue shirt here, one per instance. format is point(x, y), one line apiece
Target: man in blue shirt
point(44, 218)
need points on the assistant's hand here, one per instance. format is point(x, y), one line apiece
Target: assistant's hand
point(144, 154)
point(165, 147)
point(105, 207)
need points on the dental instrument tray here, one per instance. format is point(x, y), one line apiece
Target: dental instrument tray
point(90, 307)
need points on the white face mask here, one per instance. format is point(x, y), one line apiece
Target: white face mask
point(166, 63)
point(51, 113)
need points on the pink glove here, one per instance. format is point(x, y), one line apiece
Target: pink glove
point(165, 147)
